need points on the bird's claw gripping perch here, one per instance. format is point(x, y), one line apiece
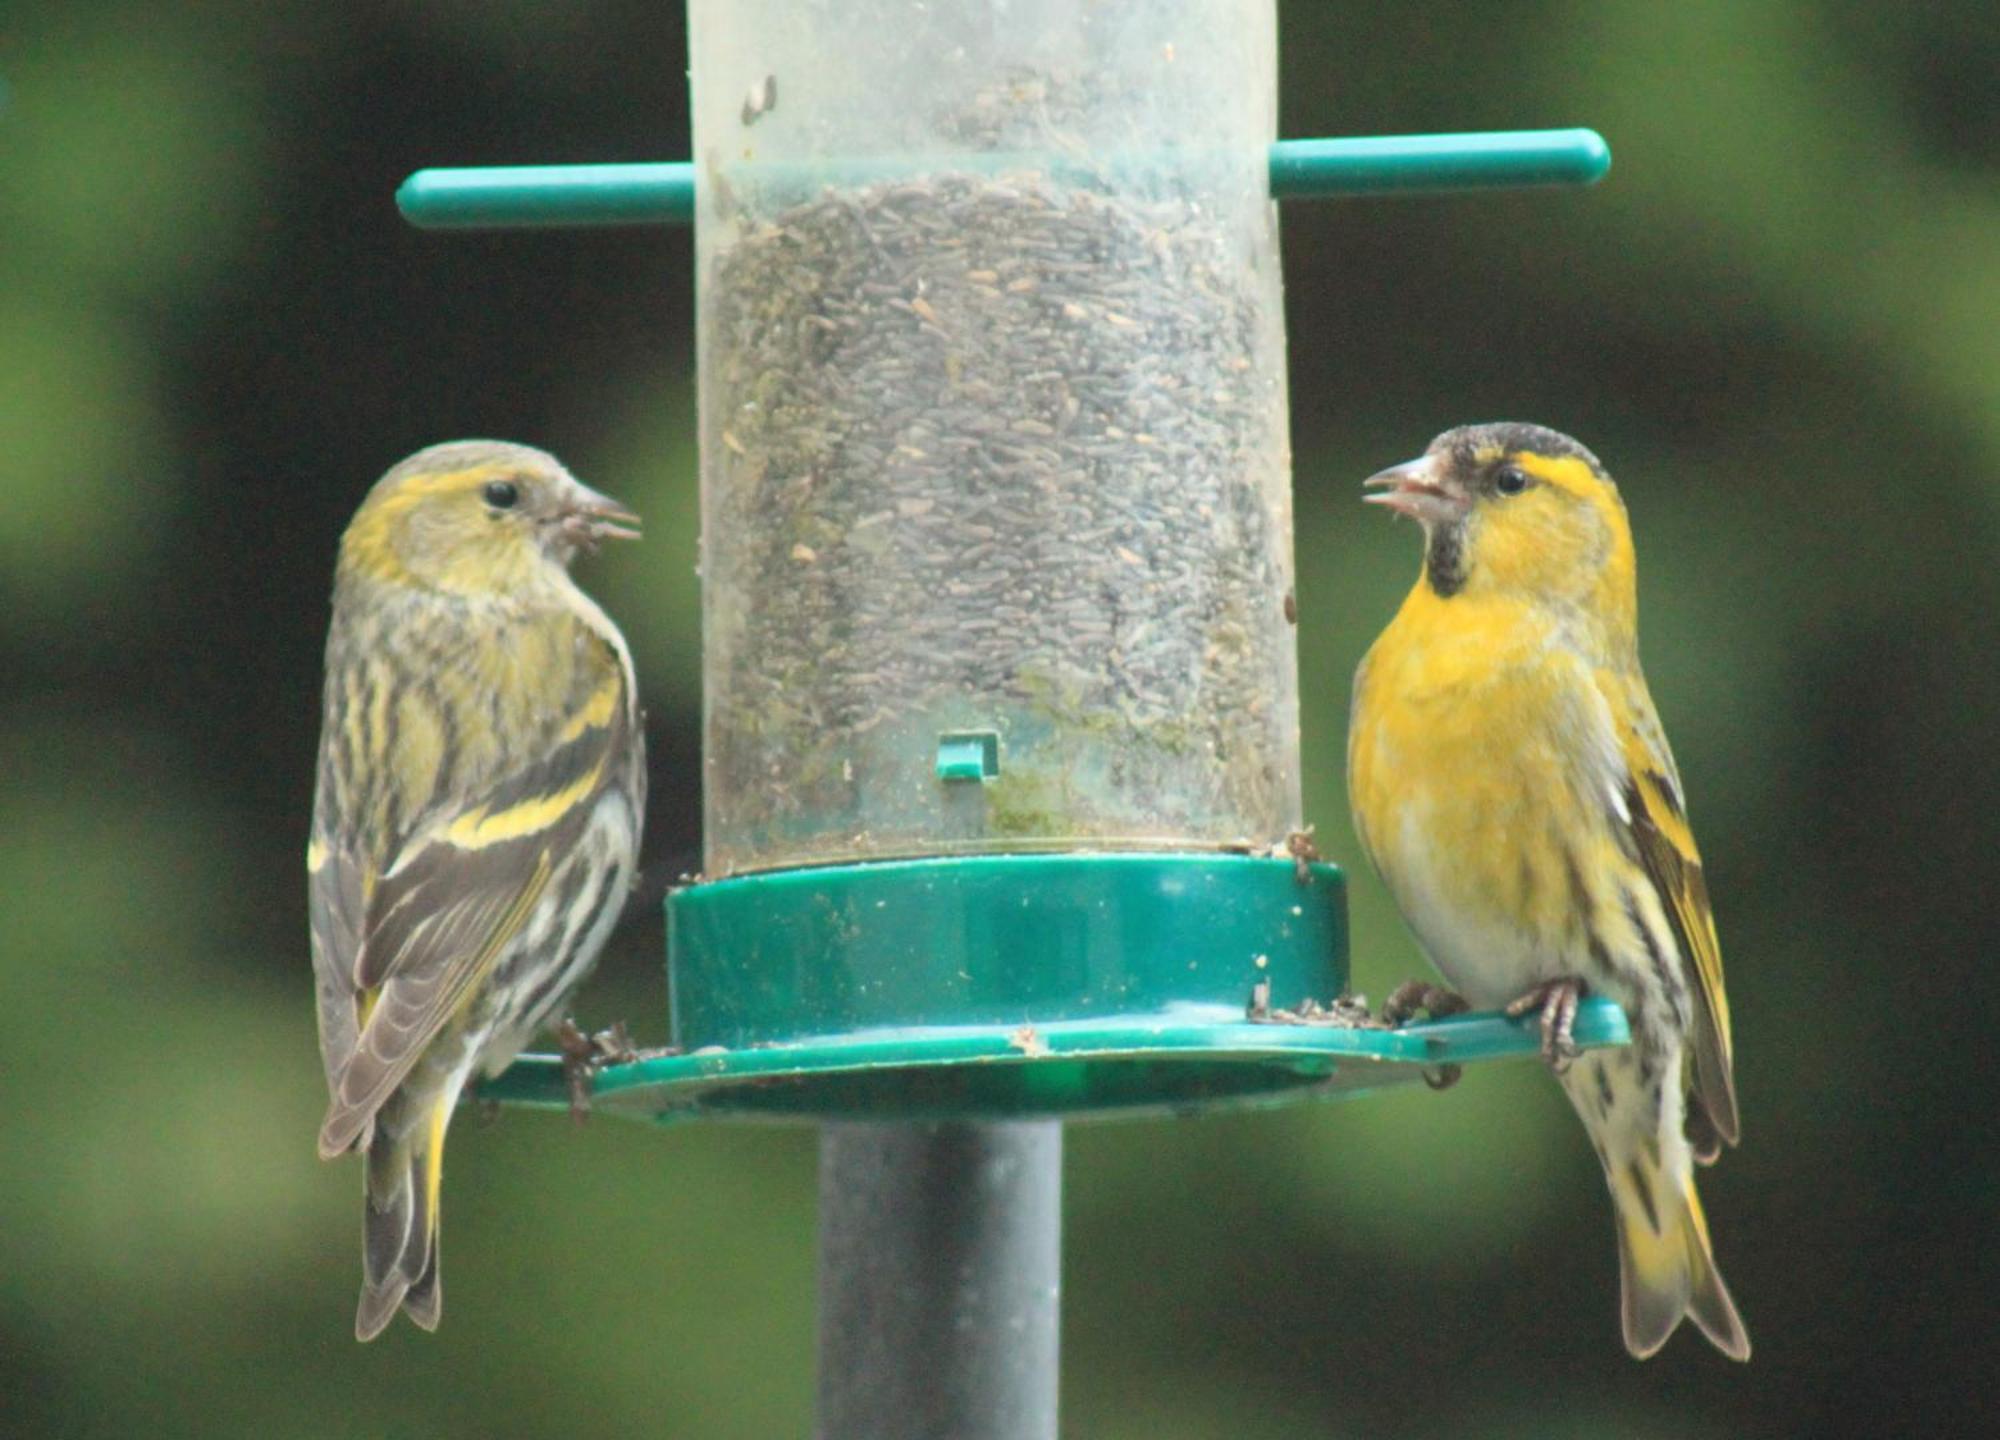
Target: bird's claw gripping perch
point(1350, 1012)
point(1556, 1001)
point(1419, 997)
point(584, 1055)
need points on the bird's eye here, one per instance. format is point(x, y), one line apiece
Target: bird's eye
point(1510, 481)
point(502, 494)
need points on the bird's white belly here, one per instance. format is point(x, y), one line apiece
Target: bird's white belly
point(1488, 957)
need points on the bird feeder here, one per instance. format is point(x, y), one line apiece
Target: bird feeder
point(1001, 736)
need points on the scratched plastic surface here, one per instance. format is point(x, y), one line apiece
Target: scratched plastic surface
point(993, 429)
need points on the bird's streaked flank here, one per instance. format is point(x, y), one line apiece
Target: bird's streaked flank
point(480, 795)
point(1512, 784)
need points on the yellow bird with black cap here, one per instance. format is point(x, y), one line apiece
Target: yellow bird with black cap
point(1512, 785)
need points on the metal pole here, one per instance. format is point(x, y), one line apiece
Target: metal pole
point(940, 1254)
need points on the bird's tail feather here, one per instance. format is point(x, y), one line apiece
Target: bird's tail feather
point(400, 1225)
point(1665, 1264)
point(1667, 1267)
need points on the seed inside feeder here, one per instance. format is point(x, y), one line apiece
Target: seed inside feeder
point(998, 452)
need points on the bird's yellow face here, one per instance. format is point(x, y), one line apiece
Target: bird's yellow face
point(1517, 510)
point(478, 517)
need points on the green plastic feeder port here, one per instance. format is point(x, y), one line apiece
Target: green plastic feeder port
point(973, 755)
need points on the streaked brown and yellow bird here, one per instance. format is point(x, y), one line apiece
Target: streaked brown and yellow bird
point(474, 834)
point(1513, 787)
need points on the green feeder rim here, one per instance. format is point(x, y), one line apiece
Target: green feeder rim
point(1012, 986)
point(524, 196)
point(1068, 1068)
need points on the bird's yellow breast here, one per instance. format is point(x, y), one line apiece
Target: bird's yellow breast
point(1469, 766)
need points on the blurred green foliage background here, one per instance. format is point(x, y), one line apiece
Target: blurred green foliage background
point(1777, 321)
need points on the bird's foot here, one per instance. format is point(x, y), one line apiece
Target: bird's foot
point(1556, 1001)
point(614, 1045)
point(1419, 997)
point(584, 1055)
point(578, 1053)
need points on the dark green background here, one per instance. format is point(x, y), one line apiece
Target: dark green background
point(1776, 321)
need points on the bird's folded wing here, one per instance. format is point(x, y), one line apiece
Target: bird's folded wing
point(459, 890)
point(1665, 846)
point(337, 885)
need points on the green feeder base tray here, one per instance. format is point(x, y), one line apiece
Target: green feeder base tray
point(1015, 986)
point(1069, 1068)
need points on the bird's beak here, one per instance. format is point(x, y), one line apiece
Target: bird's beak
point(591, 518)
point(1415, 489)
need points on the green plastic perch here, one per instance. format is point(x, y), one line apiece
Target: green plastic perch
point(520, 196)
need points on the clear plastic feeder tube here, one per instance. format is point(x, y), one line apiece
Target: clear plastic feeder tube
point(995, 482)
